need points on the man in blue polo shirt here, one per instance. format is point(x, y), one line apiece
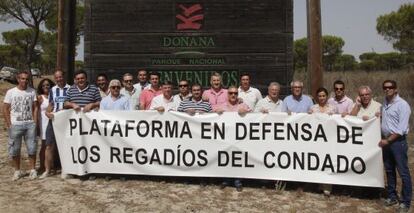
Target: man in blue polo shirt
point(297, 102)
point(394, 128)
point(82, 95)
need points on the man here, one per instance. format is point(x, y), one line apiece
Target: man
point(130, 91)
point(82, 94)
point(195, 104)
point(20, 113)
point(184, 91)
point(271, 103)
point(232, 105)
point(102, 83)
point(148, 94)
point(57, 96)
point(248, 94)
point(394, 128)
point(165, 101)
point(342, 103)
point(297, 102)
point(115, 100)
point(364, 107)
point(216, 95)
point(142, 81)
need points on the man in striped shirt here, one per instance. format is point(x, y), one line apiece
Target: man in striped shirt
point(57, 96)
point(195, 104)
point(82, 95)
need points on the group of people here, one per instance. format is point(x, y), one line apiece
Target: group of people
point(26, 111)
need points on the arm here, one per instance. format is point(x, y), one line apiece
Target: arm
point(35, 111)
point(49, 111)
point(89, 107)
point(6, 114)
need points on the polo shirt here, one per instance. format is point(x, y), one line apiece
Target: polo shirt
point(90, 94)
point(120, 103)
point(344, 105)
point(160, 101)
point(216, 98)
point(198, 106)
point(147, 95)
point(269, 105)
point(250, 97)
point(301, 105)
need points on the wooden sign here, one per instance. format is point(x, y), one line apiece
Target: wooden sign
point(191, 39)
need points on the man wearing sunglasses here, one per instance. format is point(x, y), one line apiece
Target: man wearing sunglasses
point(394, 128)
point(342, 102)
point(184, 91)
point(130, 91)
point(115, 100)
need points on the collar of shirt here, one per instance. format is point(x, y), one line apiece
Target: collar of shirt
point(132, 92)
point(212, 91)
point(268, 99)
point(117, 98)
point(191, 99)
point(87, 87)
point(298, 99)
point(393, 101)
point(167, 100)
point(246, 91)
point(342, 100)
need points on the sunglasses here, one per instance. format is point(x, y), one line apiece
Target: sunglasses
point(339, 89)
point(389, 87)
point(183, 85)
point(233, 93)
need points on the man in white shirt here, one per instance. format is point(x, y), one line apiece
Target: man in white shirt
point(271, 103)
point(20, 113)
point(248, 94)
point(364, 106)
point(130, 91)
point(184, 91)
point(165, 101)
point(142, 81)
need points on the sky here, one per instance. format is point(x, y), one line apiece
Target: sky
point(352, 20)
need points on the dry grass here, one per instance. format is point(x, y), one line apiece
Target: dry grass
point(355, 79)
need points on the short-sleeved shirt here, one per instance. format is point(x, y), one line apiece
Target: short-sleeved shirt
point(133, 97)
point(370, 111)
point(291, 104)
point(344, 105)
point(139, 88)
point(327, 109)
point(250, 97)
point(215, 98)
point(90, 94)
point(198, 106)
point(103, 93)
point(147, 95)
point(21, 105)
point(395, 117)
point(267, 104)
point(178, 97)
point(57, 97)
point(227, 107)
point(161, 101)
point(120, 103)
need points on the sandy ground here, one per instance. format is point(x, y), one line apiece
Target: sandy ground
point(150, 194)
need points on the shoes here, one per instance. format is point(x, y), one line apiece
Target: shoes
point(238, 184)
point(390, 202)
point(403, 208)
point(17, 175)
point(33, 174)
point(44, 175)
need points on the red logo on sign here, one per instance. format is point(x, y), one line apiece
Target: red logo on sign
point(190, 20)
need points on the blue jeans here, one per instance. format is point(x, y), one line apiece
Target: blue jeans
point(395, 158)
point(19, 132)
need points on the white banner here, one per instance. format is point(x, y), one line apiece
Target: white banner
point(300, 147)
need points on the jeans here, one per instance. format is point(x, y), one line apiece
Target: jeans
point(19, 132)
point(395, 158)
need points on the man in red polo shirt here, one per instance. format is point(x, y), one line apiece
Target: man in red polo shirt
point(148, 94)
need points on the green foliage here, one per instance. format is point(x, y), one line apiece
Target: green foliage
point(398, 28)
point(345, 62)
point(20, 42)
point(331, 50)
point(385, 61)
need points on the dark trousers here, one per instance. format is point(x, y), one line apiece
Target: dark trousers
point(395, 158)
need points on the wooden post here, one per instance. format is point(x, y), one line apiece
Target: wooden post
point(315, 72)
point(69, 39)
point(59, 52)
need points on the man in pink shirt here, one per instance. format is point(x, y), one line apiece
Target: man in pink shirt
point(342, 102)
point(216, 95)
point(148, 94)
